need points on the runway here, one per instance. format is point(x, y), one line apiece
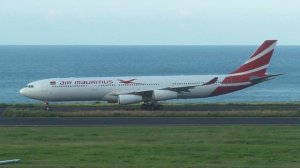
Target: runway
point(146, 121)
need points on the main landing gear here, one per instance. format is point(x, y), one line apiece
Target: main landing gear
point(152, 106)
point(47, 107)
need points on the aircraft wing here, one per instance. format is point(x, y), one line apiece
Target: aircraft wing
point(185, 88)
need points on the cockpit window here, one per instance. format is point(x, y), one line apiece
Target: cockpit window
point(30, 86)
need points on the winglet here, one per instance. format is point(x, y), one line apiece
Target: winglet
point(214, 80)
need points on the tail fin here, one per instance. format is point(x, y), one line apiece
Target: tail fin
point(258, 63)
point(253, 71)
point(255, 66)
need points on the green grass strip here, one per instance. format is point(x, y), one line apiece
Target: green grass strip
point(235, 146)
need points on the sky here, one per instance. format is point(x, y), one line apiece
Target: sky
point(154, 22)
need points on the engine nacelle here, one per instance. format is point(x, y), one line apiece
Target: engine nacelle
point(164, 95)
point(129, 99)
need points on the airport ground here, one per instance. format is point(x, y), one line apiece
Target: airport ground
point(156, 145)
point(170, 110)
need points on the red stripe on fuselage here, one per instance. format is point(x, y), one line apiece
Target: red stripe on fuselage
point(227, 89)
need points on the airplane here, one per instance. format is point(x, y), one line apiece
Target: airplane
point(152, 89)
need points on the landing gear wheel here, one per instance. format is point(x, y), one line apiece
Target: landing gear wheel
point(47, 108)
point(152, 106)
point(144, 107)
point(160, 107)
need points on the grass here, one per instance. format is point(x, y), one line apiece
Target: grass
point(152, 146)
point(171, 110)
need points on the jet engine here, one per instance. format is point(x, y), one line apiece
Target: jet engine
point(129, 99)
point(164, 95)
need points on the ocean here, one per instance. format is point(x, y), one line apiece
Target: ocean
point(20, 65)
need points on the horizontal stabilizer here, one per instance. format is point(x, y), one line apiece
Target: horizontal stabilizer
point(256, 79)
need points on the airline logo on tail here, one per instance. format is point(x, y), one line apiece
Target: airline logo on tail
point(259, 60)
point(255, 66)
point(253, 71)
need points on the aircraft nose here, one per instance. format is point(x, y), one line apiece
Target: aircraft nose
point(23, 91)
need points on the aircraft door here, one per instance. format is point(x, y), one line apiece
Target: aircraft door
point(44, 88)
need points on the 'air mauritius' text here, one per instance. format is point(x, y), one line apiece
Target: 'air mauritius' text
point(87, 82)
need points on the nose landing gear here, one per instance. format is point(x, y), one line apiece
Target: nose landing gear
point(47, 107)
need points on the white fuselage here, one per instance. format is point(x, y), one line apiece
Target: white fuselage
point(106, 88)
